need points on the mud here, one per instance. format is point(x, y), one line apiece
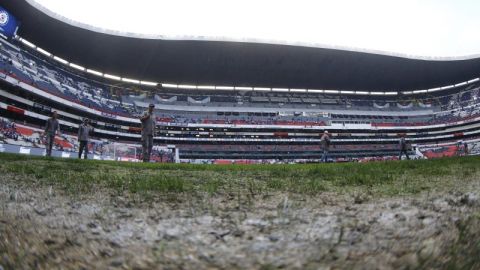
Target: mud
point(43, 228)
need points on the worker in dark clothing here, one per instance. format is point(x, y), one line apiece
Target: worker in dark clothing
point(148, 132)
point(325, 142)
point(84, 131)
point(52, 127)
point(402, 143)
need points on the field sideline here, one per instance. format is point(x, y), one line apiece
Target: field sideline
point(73, 214)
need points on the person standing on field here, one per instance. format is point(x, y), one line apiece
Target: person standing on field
point(148, 131)
point(325, 142)
point(52, 127)
point(84, 131)
point(402, 143)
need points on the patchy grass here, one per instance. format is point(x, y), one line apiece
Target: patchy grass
point(231, 193)
point(377, 179)
point(463, 253)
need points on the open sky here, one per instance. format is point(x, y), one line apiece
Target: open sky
point(424, 28)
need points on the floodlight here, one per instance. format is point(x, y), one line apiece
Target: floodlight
point(206, 87)
point(28, 43)
point(63, 61)
point(361, 93)
point(243, 88)
point(420, 91)
point(113, 77)
point(429, 90)
point(187, 86)
point(261, 89)
point(331, 91)
point(94, 72)
point(169, 85)
point(42, 51)
point(474, 80)
point(224, 88)
point(77, 67)
point(448, 87)
point(391, 93)
point(130, 80)
point(148, 83)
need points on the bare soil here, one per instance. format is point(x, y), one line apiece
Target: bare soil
point(44, 228)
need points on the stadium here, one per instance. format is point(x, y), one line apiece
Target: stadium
point(236, 177)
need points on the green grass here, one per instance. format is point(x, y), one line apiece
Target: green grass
point(376, 179)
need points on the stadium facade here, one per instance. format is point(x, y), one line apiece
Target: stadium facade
point(221, 101)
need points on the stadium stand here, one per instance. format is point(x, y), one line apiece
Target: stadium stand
point(242, 125)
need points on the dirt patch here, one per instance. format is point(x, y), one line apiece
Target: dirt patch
point(43, 228)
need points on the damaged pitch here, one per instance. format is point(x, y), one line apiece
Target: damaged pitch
point(44, 228)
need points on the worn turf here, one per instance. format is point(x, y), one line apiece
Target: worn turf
point(77, 214)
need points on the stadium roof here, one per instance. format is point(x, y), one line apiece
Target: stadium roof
point(233, 63)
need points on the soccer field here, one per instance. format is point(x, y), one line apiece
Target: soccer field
point(97, 214)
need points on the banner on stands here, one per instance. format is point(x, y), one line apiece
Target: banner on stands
point(8, 24)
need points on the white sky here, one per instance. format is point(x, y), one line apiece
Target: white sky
point(431, 28)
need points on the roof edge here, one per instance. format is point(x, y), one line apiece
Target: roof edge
point(92, 28)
